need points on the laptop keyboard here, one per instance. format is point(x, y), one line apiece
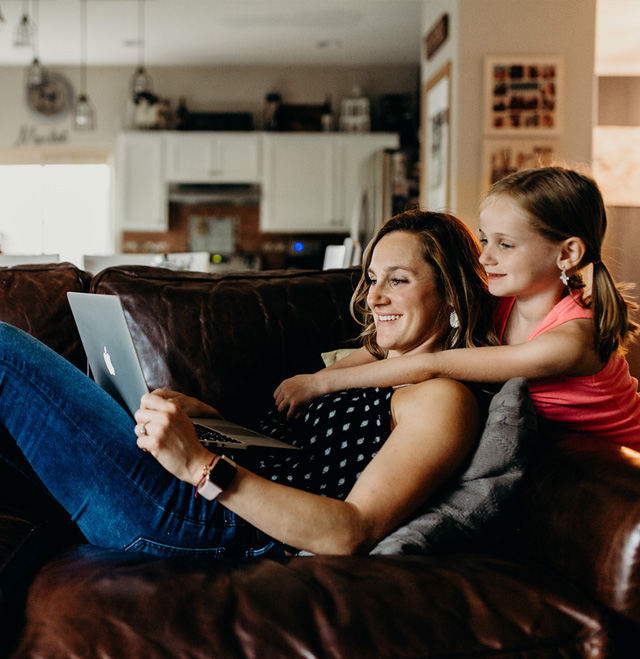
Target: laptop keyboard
point(209, 437)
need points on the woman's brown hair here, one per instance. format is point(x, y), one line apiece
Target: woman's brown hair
point(452, 250)
point(562, 203)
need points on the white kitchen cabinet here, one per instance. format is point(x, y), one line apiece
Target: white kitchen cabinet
point(314, 183)
point(141, 190)
point(310, 182)
point(203, 157)
point(298, 185)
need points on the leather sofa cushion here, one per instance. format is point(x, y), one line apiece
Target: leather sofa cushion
point(231, 339)
point(124, 605)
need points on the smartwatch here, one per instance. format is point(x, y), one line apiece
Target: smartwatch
point(220, 476)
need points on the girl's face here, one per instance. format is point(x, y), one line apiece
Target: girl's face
point(403, 296)
point(518, 260)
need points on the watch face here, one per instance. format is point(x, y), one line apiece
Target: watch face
point(52, 98)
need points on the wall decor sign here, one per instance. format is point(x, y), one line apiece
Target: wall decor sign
point(436, 36)
point(523, 95)
point(502, 157)
point(436, 141)
point(34, 135)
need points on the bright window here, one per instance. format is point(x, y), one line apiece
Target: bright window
point(55, 209)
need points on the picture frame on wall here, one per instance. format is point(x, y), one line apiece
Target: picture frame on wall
point(502, 157)
point(524, 95)
point(435, 141)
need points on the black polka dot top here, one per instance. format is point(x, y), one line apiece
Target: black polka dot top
point(339, 434)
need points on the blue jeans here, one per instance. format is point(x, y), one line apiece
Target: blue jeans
point(82, 446)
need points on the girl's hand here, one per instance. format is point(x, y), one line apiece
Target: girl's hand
point(165, 431)
point(295, 393)
point(189, 405)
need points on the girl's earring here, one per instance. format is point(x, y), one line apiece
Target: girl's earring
point(453, 320)
point(563, 277)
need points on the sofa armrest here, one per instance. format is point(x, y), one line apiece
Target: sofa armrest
point(582, 517)
point(34, 298)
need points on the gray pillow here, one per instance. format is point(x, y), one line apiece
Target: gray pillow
point(475, 500)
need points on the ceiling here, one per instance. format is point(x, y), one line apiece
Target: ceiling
point(221, 32)
point(264, 32)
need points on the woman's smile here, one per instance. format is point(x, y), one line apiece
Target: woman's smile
point(403, 296)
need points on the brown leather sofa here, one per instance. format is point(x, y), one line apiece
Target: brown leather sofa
point(558, 578)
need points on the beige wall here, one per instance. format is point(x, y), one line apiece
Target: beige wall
point(619, 101)
point(481, 28)
point(230, 89)
point(619, 105)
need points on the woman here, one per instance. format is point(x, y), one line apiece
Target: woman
point(80, 443)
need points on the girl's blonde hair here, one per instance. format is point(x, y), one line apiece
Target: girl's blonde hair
point(452, 251)
point(562, 203)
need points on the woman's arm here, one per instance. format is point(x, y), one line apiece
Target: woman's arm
point(435, 426)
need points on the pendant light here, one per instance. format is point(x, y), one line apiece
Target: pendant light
point(35, 73)
point(23, 37)
point(141, 80)
point(84, 114)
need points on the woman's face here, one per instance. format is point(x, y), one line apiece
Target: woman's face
point(403, 297)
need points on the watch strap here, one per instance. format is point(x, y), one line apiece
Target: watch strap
point(220, 477)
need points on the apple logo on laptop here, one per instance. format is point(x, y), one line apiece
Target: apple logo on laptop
point(107, 361)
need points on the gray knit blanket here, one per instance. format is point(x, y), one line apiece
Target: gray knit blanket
point(474, 501)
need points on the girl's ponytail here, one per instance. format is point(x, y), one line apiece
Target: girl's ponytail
point(611, 312)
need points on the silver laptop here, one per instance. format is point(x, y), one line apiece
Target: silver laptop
point(116, 368)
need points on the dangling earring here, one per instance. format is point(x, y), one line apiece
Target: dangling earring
point(564, 277)
point(453, 320)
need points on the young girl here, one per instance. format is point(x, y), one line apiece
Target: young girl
point(539, 228)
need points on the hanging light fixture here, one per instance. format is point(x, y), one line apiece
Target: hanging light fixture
point(35, 73)
point(141, 80)
point(84, 114)
point(23, 36)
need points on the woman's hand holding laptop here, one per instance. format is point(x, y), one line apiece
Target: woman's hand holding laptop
point(189, 405)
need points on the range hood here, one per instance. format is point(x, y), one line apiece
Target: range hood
point(238, 194)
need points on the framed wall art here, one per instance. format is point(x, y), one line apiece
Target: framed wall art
point(502, 157)
point(523, 95)
point(436, 141)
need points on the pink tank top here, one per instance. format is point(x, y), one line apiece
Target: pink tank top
point(606, 404)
